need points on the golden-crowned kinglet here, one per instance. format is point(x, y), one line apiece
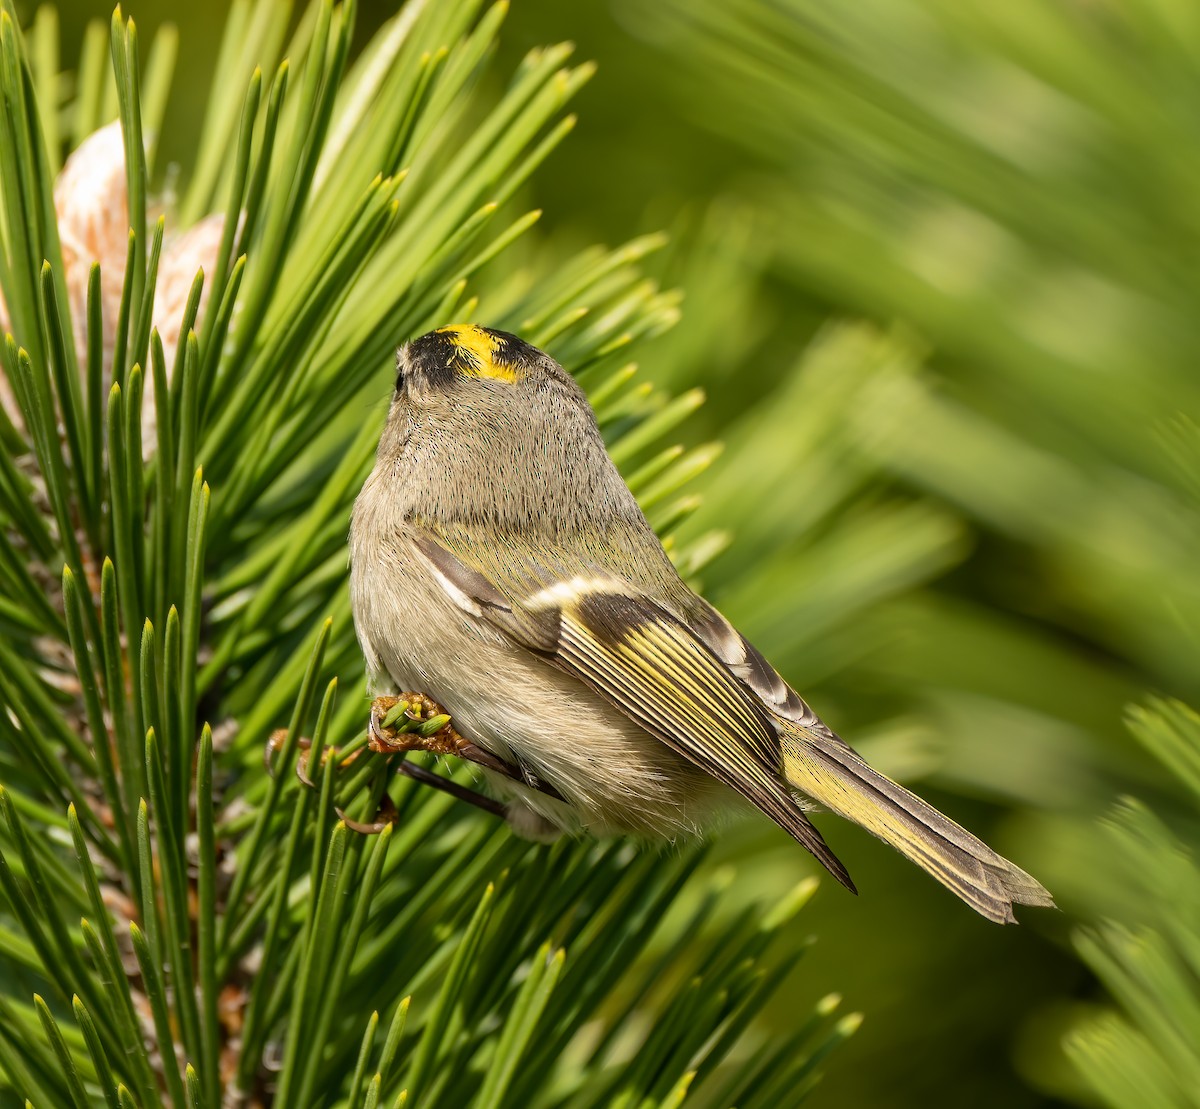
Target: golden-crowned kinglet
point(500, 565)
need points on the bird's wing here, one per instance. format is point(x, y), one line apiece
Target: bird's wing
point(746, 662)
point(646, 662)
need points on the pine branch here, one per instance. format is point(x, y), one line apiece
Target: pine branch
point(194, 403)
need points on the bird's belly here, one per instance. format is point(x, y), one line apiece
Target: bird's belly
point(615, 776)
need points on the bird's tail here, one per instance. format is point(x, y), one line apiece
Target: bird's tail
point(823, 768)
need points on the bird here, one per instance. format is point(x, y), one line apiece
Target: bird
point(502, 574)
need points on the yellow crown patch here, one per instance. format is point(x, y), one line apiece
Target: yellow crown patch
point(477, 352)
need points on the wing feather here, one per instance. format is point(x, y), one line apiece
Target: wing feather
point(749, 665)
point(650, 665)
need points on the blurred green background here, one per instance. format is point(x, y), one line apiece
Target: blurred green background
point(938, 272)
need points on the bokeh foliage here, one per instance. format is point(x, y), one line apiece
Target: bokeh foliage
point(1147, 951)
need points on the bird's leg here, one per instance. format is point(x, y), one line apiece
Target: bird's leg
point(386, 813)
point(417, 716)
point(414, 722)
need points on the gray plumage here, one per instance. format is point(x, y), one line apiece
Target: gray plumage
point(459, 457)
point(500, 565)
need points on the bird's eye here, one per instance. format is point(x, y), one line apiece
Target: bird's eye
point(401, 366)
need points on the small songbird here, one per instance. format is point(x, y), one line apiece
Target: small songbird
point(501, 567)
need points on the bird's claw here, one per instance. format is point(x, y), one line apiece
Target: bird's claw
point(412, 722)
point(275, 744)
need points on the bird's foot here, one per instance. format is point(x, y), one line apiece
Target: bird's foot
point(414, 722)
point(274, 745)
point(411, 722)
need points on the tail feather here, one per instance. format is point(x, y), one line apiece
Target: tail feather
point(833, 775)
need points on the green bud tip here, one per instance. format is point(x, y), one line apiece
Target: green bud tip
point(394, 714)
point(433, 725)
